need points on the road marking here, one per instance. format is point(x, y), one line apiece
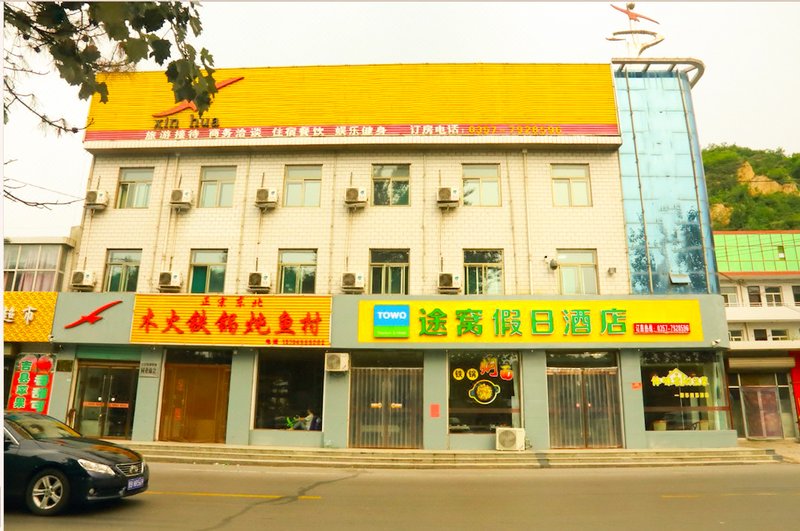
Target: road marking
point(680, 495)
point(231, 495)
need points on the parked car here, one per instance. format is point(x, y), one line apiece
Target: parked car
point(51, 466)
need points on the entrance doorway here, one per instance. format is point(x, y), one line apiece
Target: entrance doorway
point(105, 398)
point(386, 407)
point(194, 406)
point(761, 405)
point(584, 401)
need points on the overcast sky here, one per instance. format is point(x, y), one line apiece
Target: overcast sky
point(749, 94)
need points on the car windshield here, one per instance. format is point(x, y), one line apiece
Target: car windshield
point(41, 427)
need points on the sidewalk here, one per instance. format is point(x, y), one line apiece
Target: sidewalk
point(788, 449)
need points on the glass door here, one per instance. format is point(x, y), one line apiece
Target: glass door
point(762, 412)
point(194, 407)
point(105, 399)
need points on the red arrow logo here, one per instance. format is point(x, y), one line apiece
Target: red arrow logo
point(186, 104)
point(93, 317)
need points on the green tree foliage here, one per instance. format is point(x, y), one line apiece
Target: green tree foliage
point(778, 211)
point(83, 39)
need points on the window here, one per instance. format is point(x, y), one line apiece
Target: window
point(729, 295)
point(492, 400)
point(781, 253)
point(577, 272)
point(290, 382)
point(570, 185)
point(208, 271)
point(735, 335)
point(303, 184)
point(216, 186)
point(134, 187)
point(796, 295)
point(481, 184)
point(779, 334)
point(754, 295)
point(483, 271)
point(390, 184)
point(298, 271)
point(760, 334)
point(772, 296)
point(122, 270)
point(33, 267)
point(389, 271)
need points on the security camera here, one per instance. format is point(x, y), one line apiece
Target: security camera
point(553, 264)
point(715, 342)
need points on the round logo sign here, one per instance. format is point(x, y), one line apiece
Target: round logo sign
point(484, 391)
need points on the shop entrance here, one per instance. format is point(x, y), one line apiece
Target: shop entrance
point(386, 407)
point(194, 407)
point(584, 403)
point(104, 399)
point(762, 413)
point(761, 405)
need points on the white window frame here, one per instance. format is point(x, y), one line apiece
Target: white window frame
point(222, 179)
point(563, 178)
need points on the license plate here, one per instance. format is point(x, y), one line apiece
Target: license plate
point(135, 483)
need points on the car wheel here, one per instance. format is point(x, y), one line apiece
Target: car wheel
point(47, 493)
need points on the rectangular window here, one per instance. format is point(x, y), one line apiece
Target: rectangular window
point(571, 185)
point(577, 272)
point(208, 271)
point(216, 186)
point(290, 383)
point(298, 271)
point(389, 271)
point(736, 335)
point(796, 295)
point(760, 334)
point(754, 295)
point(134, 187)
point(493, 400)
point(483, 272)
point(303, 185)
point(122, 270)
point(729, 295)
point(481, 184)
point(779, 334)
point(32, 267)
point(390, 184)
point(772, 296)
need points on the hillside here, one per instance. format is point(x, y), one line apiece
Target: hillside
point(752, 189)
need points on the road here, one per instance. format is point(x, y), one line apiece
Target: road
point(215, 497)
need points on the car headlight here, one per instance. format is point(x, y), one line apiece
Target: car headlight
point(100, 468)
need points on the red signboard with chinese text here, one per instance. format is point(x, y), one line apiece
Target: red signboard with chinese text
point(32, 383)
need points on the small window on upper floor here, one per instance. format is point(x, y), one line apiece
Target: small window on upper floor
point(781, 253)
point(134, 187)
point(736, 335)
point(773, 296)
point(729, 295)
point(754, 295)
point(577, 271)
point(571, 185)
point(33, 267)
point(779, 334)
point(481, 184)
point(122, 270)
point(216, 186)
point(388, 271)
point(483, 271)
point(303, 185)
point(760, 334)
point(390, 184)
point(796, 295)
point(298, 270)
point(208, 271)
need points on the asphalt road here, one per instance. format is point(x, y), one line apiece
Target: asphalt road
point(200, 497)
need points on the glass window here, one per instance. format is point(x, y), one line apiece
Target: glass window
point(772, 295)
point(122, 270)
point(481, 184)
point(33, 267)
point(683, 391)
point(796, 295)
point(390, 184)
point(208, 271)
point(484, 391)
point(736, 335)
point(760, 334)
point(483, 272)
point(570, 185)
point(134, 187)
point(216, 186)
point(729, 295)
point(577, 272)
point(303, 184)
point(389, 271)
point(290, 383)
point(298, 271)
point(754, 295)
point(779, 334)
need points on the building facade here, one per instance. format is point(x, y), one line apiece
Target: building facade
point(425, 256)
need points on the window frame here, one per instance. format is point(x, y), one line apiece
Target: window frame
point(386, 268)
point(128, 190)
point(736, 335)
point(125, 276)
point(220, 183)
point(773, 296)
point(299, 276)
point(304, 182)
point(754, 297)
point(483, 273)
point(571, 182)
point(196, 264)
point(482, 180)
point(34, 277)
point(391, 181)
point(728, 293)
point(580, 267)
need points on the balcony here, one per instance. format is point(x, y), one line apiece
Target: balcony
point(765, 313)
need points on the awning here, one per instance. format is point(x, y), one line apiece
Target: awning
point(776, 364)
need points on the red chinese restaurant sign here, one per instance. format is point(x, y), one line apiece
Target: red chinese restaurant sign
point(242, 320)
point(32, 383)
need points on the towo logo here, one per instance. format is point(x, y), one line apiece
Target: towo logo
point(390, 320)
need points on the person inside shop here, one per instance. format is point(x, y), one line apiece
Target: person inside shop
point(304, 423)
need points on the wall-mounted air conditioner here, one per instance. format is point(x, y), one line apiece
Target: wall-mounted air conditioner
point(510, 439)
point(259, 282)
point(96, 200)
point(355, 197)
point(337, 361)
point(170, 281)
point(449, 283)
point(180, 199)
point(83, 280)
point(266, 198)
point(447, 197)
point(353, 282)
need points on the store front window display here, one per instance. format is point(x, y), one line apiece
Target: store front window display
point(484, 391)
point(290, 384)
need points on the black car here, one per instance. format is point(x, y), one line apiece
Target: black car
point(50, 466)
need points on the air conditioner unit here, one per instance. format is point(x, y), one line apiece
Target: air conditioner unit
point(447, 197)
point(180, 198)
point(510, 439)
point(355, 197)
point(96, 200)
point(353, 282)
point(267, 198)
point(170, 281)
point(259, 282)
point(83, 280)
point(337, 361)
point(449, 283)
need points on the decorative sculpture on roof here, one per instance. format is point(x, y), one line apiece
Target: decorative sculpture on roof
point(632, 34)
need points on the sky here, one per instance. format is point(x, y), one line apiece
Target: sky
point(749, 94)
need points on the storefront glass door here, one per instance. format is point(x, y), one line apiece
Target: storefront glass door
point(386, 408)
point(762, 412)
point(105, 399)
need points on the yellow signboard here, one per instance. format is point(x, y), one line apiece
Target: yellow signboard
point(530, 321)
point(28, 315)
point(245, 320)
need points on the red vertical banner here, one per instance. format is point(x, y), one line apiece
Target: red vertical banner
point(32, 383)
point(795, 374)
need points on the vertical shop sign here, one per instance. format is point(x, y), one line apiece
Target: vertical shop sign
point(32, 383)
